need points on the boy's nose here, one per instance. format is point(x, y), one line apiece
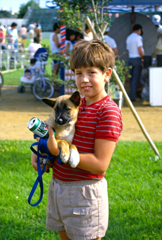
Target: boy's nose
point(85, 78)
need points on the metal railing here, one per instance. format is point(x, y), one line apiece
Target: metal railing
point(12, 59)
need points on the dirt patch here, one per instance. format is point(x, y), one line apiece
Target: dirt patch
point(17, 108)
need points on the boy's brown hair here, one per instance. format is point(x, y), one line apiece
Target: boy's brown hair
point(94, 53)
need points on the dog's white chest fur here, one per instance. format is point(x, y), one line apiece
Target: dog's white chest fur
point(68, 138)
point(66, 134)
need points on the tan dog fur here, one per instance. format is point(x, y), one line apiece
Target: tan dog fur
point(64, 133)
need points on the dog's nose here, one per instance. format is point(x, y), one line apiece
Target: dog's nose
point(59, 121)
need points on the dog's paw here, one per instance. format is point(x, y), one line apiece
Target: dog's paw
point(64, 157)
point(74, 158)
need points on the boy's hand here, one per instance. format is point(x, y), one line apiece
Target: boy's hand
point(34, 163)
point(52, 143)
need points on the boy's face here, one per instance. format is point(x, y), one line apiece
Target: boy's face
point(90, 82)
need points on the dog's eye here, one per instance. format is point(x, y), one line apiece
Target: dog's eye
point(56, 108)
point(67, 108)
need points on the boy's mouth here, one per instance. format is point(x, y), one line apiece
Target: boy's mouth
point(86, 88)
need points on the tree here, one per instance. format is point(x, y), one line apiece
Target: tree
point(24, 8)
point(73, 13)
point(6, 14)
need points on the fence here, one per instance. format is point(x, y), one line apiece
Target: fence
point(12, 59)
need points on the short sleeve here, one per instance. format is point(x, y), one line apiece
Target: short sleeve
point(139, 41)
point(114, 45)
point(109, 124)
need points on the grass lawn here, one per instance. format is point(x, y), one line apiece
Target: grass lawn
point(135, 193)
point(13, 78)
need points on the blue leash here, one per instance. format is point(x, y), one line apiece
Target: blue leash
point(42, 146)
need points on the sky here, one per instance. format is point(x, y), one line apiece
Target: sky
point(14, 5)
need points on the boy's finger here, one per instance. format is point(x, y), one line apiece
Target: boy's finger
point(50, 130)
point(37, 138)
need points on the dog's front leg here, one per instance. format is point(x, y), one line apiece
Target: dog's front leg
point(74, 156)
point(65, 152)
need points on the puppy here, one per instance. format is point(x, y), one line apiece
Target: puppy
point(65, 112)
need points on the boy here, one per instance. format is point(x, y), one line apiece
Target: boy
point(78, 199)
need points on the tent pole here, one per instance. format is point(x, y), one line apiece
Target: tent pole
point(135, 113)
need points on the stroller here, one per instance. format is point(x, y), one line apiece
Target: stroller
point(34, 76)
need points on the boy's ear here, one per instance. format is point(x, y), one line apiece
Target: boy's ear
point(108, 74)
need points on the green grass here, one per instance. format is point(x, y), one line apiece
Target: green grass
point(135, 193)
point(13, 78)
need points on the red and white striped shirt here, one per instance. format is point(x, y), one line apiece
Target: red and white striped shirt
point(99, 120)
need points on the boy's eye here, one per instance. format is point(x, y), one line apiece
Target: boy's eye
point(92, 72)
point(78, 73)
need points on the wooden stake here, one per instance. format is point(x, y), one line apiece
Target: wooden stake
point(88, 21)
point(135, 113)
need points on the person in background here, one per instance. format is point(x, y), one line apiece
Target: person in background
point(39, 25)
point(89, 35)
point(70, 37)
point(12, 34)
point(8, 27)
point(110, 41)
point(55, 47)
point(158, 48)
point(31, 71)
point(78, 36)
point(23, 35)
point(134, 45)
point(3, 29)
point(31, 28)
point(2, 39)
point(38, 32)
point(156, 21)
point(33, 47)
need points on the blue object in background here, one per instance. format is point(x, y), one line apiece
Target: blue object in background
point(62, 76)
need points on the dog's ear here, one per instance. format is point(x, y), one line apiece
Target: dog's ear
point(49, 101)
point(75, 98)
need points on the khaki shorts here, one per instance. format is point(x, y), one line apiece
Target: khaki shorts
point(80, 208)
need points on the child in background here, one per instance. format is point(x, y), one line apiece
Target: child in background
point(70, 37)
point(78, 199)
point(31, 72)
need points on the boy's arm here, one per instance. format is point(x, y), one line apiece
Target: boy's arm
point(100, 160)
point(96, 162)
point(52, 143)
